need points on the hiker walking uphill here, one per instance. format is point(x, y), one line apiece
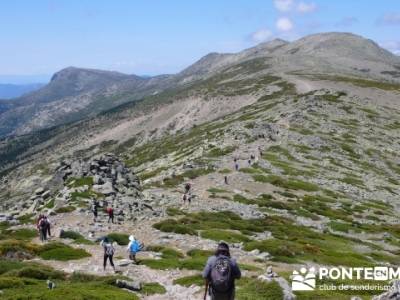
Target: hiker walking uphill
point(110, 212)
point(109, 251)
point(95, 206)
point(134, 247)
point(43, 227)
point(188, 193)
point(220, 273)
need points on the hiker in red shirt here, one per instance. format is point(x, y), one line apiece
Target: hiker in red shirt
point(110, 212)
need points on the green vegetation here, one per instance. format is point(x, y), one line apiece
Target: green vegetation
point(254, 289)
point(190, 280)
point(292, 184)
point(59, 251)
point(121, 239)
point(173, 259)
point(217, 152)
point(292, 243)
point(224, 235)
point(76, 236)
point(78, 182)
point(27, 219)
point(216, 190)
point(151, 288)
point(20, 280)
point(19, 234)
point(383, 85)
point(246, 288)
point(65, 209)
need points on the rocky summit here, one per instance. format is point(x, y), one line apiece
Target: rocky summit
point(287, 151)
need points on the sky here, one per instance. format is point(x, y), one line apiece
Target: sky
point(153, 37)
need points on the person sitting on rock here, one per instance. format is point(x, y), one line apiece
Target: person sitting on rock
point(110, 212)
point(220, 273)
point(109, 251)
point(134, 247)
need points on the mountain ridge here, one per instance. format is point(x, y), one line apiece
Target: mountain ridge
point(76, 93)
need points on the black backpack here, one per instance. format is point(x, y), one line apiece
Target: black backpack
point(221, 275)
point(44, 223)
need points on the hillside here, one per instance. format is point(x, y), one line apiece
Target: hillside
point(317, 182)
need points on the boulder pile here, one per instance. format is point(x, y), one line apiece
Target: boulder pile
point(112, 184)
point(104, 179)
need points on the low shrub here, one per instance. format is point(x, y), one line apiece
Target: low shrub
point(121, 239)
point(151, 288)
point(62, 252)
point(65, 209)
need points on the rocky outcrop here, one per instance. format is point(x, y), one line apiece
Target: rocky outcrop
point(113, 184)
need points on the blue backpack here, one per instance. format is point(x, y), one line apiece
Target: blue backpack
point(135, 247)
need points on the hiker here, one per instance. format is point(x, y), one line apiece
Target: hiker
point(94, 210)
point(236, 166)
point(226, 179)
point(42, 227)
point(187, 187)
point(134, 247)
point(109, 251)
point(110, 212)
point(48, 225)
point(184, 198)
point(249, 161)
point(220, 273)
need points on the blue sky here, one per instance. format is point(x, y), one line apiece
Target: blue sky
point(151, 37)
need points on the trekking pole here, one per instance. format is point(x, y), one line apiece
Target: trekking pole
point(206, 290)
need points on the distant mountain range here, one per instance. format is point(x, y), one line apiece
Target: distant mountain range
point(75, 93)
point(8, 91)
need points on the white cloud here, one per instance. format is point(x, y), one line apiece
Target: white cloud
point(283, 5)
point(392, 18)
point(303, 7)
point(393, 46)
point(261, 35)
point(284, 24)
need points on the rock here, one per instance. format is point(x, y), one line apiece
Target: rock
point(106, 188)
point(255, 252)
point(263, 256)
point(39, 191)
point(124, 262)
point(46, 194)
point(130, 285)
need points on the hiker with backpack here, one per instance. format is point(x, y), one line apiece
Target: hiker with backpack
point(134, 247)
point(187, 188)
point(43, 227)
point(110, 212)
point(109, 251)
point(48, 226)
point(220, 273)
